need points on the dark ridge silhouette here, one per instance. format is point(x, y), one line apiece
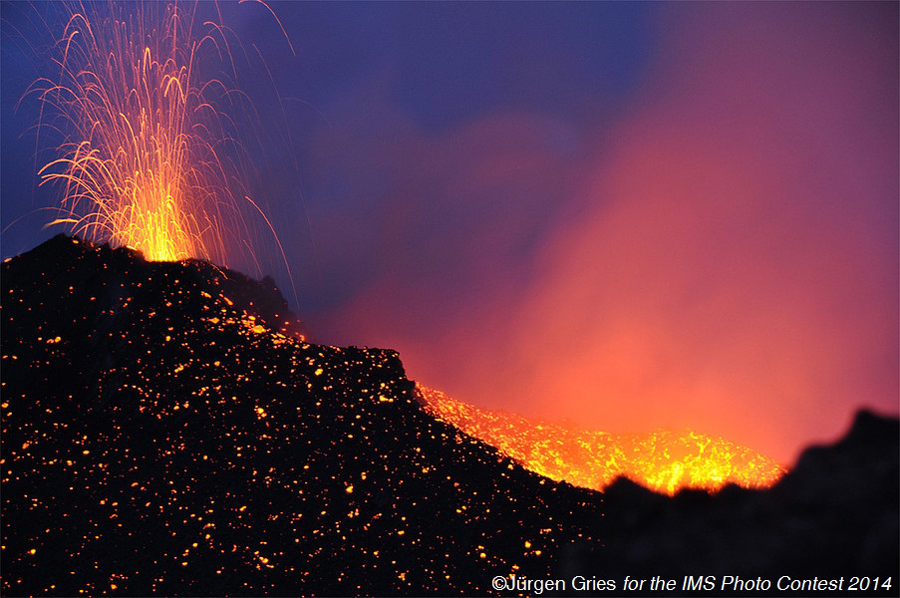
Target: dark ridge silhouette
point(159, 440)
point(834, 515)
point(165, 430)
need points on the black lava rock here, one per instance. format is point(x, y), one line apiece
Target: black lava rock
point(166, 430)
point(164, 433)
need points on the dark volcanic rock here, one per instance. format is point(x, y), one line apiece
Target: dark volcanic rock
point(165, 430)
point(835, 515)
point(160, 437)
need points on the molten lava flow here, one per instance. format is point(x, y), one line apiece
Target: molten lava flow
point(143, 163)
point(665, 461)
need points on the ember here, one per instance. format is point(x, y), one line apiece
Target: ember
point(664, 460)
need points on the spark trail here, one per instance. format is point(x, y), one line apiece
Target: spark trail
point(148, 157)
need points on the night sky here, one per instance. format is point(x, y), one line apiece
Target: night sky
point(629, 215)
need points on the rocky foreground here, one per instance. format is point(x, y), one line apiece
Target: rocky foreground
point(167, 430)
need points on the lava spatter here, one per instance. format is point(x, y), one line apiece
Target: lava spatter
point(665, 460)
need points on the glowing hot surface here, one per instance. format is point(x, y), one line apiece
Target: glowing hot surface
point(665, 460)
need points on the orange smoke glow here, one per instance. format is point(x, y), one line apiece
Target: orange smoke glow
point(721, 256)
point(143, 164)
point(665, 460)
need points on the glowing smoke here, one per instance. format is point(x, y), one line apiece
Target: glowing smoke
point(723, 257)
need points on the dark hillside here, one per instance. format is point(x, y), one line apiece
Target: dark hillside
point(166, 430)
point(161, 435)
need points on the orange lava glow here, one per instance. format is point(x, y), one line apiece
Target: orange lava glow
point(665, 460)
point(144, 161)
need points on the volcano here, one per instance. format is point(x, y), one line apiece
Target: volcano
point(167, 429)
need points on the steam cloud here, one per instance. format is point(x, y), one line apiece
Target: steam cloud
point(722, 256)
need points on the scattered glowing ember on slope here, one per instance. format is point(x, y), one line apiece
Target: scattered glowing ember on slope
point(220, 454)
point(665, 461)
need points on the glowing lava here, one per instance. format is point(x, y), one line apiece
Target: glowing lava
point(665, 461)
point(145, 161)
